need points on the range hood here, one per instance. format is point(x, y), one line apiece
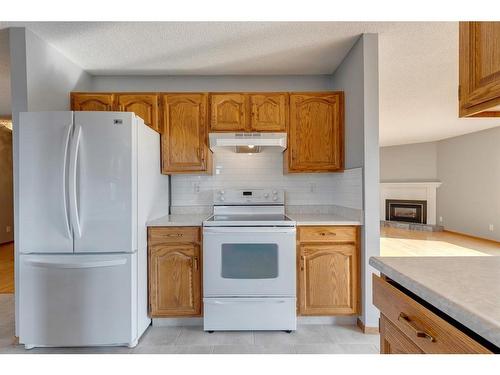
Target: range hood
point(248, 142)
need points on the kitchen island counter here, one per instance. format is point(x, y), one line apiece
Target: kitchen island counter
point(467, 289)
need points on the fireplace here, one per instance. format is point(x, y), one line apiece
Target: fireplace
point(410, 211)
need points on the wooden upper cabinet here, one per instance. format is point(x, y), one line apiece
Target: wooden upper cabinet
point(328, 279)
point(269, 112)
point(143, 105)
point(184, 139)
point(479, 66)
point(316, 131)
point(175, 280)
point(228, 112)
point(92, 102)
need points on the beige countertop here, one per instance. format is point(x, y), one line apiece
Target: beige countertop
point(179, 220)
point(322, 219)
point(465, 288)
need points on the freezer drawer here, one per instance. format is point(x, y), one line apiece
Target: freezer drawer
point(238, 314)
point(78, 300)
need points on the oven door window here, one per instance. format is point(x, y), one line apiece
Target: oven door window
point(249, 261)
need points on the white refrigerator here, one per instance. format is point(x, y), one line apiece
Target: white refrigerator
point(87, 184)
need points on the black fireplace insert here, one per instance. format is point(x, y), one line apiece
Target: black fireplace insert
point(407, 210)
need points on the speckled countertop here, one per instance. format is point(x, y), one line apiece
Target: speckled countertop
point(179, 220)
point(465, 288)
point(322, 219)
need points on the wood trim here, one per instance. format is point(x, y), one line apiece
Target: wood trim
point(471, 236)
point(367, 330)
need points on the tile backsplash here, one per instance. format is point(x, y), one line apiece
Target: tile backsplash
point(265, 169)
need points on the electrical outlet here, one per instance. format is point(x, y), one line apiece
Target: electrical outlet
point(196, 187)
point(312, 187)
point(8, 228)
point(440, 219)
point(492, 227)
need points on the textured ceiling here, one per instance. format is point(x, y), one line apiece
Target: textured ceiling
point(418, 61)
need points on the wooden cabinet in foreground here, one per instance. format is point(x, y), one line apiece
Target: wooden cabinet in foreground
point(316, 133)
point(184, 142)
point(268, 112)
point(479, 69)
point(328, 270)
point(92, 102)
point(174, 260)
point(228, 112)
point(407, 326)
point(143, 105)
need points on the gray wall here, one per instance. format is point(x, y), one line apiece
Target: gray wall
point(469, 198)
point(5, 101)
point(358, 77)
point(51, 76)
point(210, 83)
point(6, 188)
point(414, 162)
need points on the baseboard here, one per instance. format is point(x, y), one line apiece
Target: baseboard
point(367, 330)
point(471, 236)
point(301, 320)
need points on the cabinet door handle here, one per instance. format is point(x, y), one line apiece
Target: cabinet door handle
point(405, 319)
point(303, 263)
point(196, 265)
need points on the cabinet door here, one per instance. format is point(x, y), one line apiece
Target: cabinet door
point(184, 140)
point(316, 136)
point(91, 102)
point(228, 112)
point(143, 105)
point(479, 69)
point(175, 282)
point(328, 279)
point(393, 341)
point(269, 112)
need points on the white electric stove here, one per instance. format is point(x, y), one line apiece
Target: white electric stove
point(249, 262)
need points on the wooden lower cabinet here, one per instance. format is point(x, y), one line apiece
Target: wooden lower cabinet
point(328, 271)
point(174, 272)
point(407, 326)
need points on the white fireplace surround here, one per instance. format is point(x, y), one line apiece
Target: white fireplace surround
point(411, 190)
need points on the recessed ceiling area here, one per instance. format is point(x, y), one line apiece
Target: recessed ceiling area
point(418, 61)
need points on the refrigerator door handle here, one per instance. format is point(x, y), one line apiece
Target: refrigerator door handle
point(73, 199)
point(76, 264)
point(64, 180)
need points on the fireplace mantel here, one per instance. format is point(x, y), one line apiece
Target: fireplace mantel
point(421, 190)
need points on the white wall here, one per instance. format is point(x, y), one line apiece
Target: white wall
point(210, 83)
point(469, 197)
point(265, 169)
point(408, 163)
point(358, 77)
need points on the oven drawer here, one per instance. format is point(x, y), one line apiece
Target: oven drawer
point(236, 314)
point(159, 235)
point(327, 234)
point(428, 331)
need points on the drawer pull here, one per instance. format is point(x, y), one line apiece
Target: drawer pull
point(330, 234)
point(173, 235)
point(403, 318)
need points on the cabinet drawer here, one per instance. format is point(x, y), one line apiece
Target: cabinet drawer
point(428, 331)
point(161, 235)
point(327, 234)
point(393, 341)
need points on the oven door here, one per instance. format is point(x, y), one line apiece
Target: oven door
point(249, 261)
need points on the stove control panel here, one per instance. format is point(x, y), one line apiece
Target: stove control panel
point(249, 197)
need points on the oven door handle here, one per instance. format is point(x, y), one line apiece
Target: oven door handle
point(218, 302)
point(234, 230)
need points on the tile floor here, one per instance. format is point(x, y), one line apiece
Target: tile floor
point(308, 339)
